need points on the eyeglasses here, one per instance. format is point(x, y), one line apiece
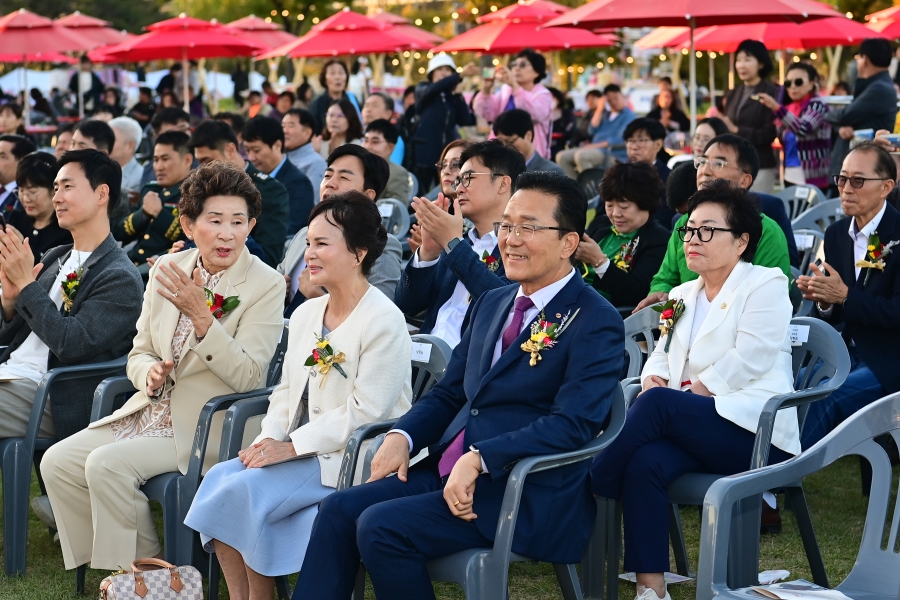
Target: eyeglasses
point(704, 233)
point(525, 232)
point(453, 165)
point(638, 141)
point(519, 64)
point(716, 164)
point(799, 82)
point(465, 179)
point(855, 182)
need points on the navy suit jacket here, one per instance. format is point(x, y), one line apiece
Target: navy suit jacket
point(300, 195)
point(871, 313)
point(512, 411)
point(429, 288)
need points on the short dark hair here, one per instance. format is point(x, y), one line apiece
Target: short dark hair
point(571, 203)
point(99, 169)
point(514, 122)
point(265, 130)
point(803, 66)
point(64, 128)
point(178, 140)
point(37, 169)
point(289, 95)
point(718, 125)
point(234, 120)
point(877, 50)
point(665, 79)
point(612, 87)
point(387, 129)
point(681, 185)
point(99, 132)
point(359, 220)
point(306, 118)
point(651, 127)
point(410, 89)
point(14, 107)
point(171, 115)
point(747, 158)
point(498, 158)
point(214, 135)
point(22, 146)
point(741, 212)
point(636, 182)
point(354, 125)
point(324, 70)
point(595, 93)
point(146, 91)
point(376, 170)
point(538, 62)
point(388, 101)
point(217, 178)
point(757, 50)
point(884, 164)
point(254, 93)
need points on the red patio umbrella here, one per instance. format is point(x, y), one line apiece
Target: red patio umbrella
point(347, 32)
point(50, 57)
point(885, 27)
point(527, 10)
point(265, 34)
point(93, 29)
point(404, 26)
point(506, 37)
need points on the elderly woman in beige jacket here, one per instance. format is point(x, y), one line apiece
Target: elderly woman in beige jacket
point(350, 351)
point(185, 353)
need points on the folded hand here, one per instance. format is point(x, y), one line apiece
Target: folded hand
point(266, 452)
point(459, 493)
point(392, 456)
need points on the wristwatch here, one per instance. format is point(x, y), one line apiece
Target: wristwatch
point(452, 243)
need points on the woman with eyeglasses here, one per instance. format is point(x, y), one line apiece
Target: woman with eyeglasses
point(36, 220)
point(520, 89)
point(447, 172)
point(804, 133)
point(726, 351)
point(342, 126)
point(745, 114)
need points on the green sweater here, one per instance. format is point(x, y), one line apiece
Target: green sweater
point(772, 252)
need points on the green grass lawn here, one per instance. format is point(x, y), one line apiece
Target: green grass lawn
point(834, 496)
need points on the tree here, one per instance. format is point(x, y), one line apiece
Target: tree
point(285, 12)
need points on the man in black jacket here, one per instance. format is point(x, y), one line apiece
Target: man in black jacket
point(79, 305)
point(857, 286)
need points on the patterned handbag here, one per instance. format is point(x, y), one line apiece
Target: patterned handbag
point(153, 579)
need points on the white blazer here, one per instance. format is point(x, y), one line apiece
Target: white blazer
point(378, 351)
point(742, 352)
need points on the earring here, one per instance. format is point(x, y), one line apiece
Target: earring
point(190, 239)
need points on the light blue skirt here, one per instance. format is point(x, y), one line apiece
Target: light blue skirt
point(266, 514)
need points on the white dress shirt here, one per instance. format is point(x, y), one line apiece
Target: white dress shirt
point(450, 317)
point(860, 237)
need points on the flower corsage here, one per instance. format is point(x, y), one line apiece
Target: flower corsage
point(323, 357)
point(625, 255)
point(219, 305)
point(544, 335)
point(492, 263)
point(669, 313)
point(70, 287)
point(875, 253)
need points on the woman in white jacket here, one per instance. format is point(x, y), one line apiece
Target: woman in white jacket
point(350, 352)
point(726, 351)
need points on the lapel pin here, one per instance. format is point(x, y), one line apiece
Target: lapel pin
point(723, 305)
point(558, 315)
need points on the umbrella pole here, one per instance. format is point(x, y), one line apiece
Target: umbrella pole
point(712, 80)
point(215, 90)
point(731, 70)
point(186, 80)
point(80, 92)
point(26, 103)
point(692, 84)
point(781, 62)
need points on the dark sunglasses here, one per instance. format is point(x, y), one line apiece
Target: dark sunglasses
point(799, 82)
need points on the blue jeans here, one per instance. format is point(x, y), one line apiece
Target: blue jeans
point(861, 389)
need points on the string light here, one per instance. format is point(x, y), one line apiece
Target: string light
point(495, 62)
point(419, 22)
point(610, 60)
point(422, 70)
point(629, 60)
point(813, 55)
point(493, 8)
point(699, 54)
point(315, 20)
point(561, 72)
point(300, 17)
point(285, 13)
point(662, 57)
point(395, 62)
point(406, 54)
point(436, 19)
point(600, 65)
point(268, 19)
point(417, 56)
point(455, 16)
point(849, 15)
point(581, 69)
point(274, 13)
point(430, 55)
point(570, 69)
point(796, 59)
point(475, 11)
point(685, 51)
point(712, 55)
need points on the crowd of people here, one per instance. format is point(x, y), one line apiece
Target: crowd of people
point(190, 263)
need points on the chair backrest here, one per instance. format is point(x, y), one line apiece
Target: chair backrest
point(413, 186)
point(823, 343)
point(430, 356)
point(802, 306)
point(799, 198)
point(809, 246)
point(639, 327)
point(819, 216)
point(394, 217)
point(590, 179)
point(275, 366)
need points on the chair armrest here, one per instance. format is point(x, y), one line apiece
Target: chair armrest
point(105, 395)
point(235, 421)
point(766, 424)
point(351, 452)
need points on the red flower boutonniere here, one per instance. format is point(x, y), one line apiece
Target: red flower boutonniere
point(876, 253)
point(669, 313)
point(70, 287)
point(492, 263)
point(544, 335)
point(219, 305)
point(625, 255)
point(323, 357)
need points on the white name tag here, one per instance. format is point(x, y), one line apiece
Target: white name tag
point(801, 191)
point(804, 241)
point(799, 334)
point(385, 210)
point(421, 352)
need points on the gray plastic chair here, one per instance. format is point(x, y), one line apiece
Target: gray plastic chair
point(809, 245)
point(824, 344)
point(394, 217)
point(413, 186)
point(820, 216)
point(799, 198)
point(876, 573)
point(274, 375)
point(19, 454)
point(639, 327)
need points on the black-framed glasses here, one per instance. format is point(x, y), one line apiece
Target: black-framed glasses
point(465, 179)
point(855, 182)
point(704, 233)
point(799, 82)
point(454, 165)
point(525, 231)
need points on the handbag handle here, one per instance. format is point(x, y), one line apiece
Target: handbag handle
point(140, 588)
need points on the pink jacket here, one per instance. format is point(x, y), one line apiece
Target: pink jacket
point(538, 103)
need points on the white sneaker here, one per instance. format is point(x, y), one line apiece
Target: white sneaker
point(650, 594)
point(41, 507)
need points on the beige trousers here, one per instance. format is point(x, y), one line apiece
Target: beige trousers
point(94, 486)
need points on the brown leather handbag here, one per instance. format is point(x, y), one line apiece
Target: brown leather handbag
point(153, 579)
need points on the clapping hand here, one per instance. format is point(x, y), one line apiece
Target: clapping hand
point(415, 237)
point(392, 457)
point(437, 223)
point(826, 290)
point(156, 376)
point(17, 265)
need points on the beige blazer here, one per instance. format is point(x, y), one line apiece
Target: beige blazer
point(233, 357)
point(378, 351)
point(742, 352)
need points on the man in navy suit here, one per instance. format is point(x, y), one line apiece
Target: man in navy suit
point(495, 405)
point(864, 298)
point(451, 269)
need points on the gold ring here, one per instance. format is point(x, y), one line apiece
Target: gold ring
point(455, 503)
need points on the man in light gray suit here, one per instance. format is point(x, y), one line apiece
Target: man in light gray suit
point(80, 304)
point(515, 128)
point(350, 168)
